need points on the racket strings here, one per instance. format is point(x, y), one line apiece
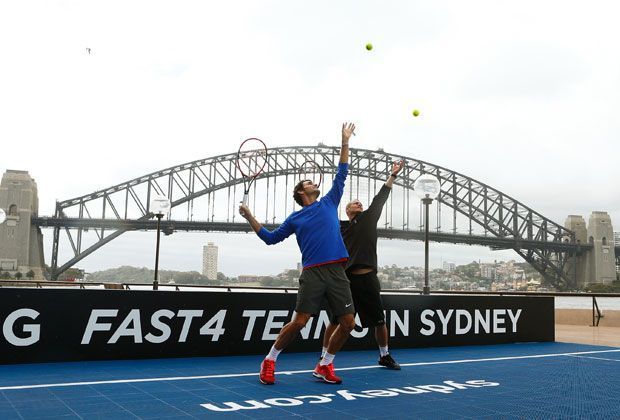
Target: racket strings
point(251, 162)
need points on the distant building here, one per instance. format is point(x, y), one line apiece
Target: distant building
point(487, 271)
point(449, 267)
point(209, 261)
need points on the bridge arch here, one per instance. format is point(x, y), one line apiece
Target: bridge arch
point(485, 214)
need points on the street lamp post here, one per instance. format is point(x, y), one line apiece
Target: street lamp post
point(160, 206)
point(427, 187)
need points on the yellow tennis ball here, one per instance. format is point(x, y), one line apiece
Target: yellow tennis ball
point(369, 46)
point(416, 112)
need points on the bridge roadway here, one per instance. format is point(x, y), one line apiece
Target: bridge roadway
point(169, 226)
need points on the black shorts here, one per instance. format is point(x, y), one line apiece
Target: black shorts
point(366, 291)
point(327, 281)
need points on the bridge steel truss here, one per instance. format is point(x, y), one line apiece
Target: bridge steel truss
point(506, 223)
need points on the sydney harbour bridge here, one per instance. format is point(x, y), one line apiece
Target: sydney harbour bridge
point(205, 193)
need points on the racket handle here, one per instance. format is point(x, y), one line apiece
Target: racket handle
point(244, 202)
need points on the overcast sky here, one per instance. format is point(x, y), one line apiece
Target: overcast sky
point(523, 96)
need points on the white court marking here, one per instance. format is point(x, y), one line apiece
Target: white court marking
point(294, 372)
point(597, 358)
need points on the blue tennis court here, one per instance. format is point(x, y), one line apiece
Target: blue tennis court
point(529, 380)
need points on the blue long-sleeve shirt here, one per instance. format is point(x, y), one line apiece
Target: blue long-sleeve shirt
point(316, 227)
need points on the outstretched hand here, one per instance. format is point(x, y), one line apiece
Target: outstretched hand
point(244, 211)
point(347, 130)
point(398, 166)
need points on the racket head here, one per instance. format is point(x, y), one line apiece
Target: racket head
point(251, 157)
point(310, 170)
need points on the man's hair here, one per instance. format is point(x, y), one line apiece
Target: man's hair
point(346, 209)
point(296, 194)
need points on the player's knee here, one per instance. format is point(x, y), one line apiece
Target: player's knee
point(347, 322)
point(301, 320)
point(299, 324)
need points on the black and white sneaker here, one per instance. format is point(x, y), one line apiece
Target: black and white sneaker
point(388, 362)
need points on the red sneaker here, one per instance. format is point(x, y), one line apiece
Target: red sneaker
point(267, 372)
point(326, 373)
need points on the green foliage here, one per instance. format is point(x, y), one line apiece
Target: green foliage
point(18, 275)
point(128, 274)
point(269, 281)
point(30, 274)
point(5, 275)
point(604, 288)
point(72, 274)
point(469, 271)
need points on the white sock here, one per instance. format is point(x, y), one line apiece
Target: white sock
point(323, 351)
point(327, 359)
point(383, 350)
point(273, 353)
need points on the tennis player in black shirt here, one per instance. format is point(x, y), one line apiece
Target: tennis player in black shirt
point(360, 238)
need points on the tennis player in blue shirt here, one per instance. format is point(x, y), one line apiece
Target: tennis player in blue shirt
point(317, 229)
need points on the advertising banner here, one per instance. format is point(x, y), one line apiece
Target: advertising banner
point(41, 325)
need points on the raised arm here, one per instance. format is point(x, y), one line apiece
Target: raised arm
point(396, 168)
point(245, 212)
point(347, 130)
point(375, 208)
point(335, 193)
point(269, 237)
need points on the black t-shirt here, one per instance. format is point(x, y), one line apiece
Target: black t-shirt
point(360, 233)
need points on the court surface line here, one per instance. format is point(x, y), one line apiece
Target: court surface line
point(596, 358)
point(293, 372)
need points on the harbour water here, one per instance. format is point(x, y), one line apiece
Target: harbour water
point(577, 302)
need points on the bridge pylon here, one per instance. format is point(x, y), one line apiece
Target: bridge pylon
point(601, 260)
point(21, 242)
point(576, 266)
point(597, 263)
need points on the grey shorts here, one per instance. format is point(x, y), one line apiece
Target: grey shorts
point(324, 282)
point(366, 291)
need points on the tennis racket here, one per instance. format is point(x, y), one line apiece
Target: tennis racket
point(310, 170)
point(251, 160)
